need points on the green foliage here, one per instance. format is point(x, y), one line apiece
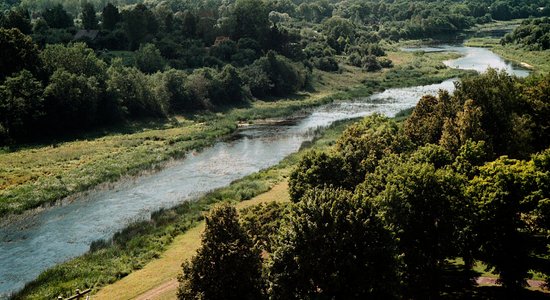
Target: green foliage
point(507, 194)
point(226, 266)
point(16, 18)
point(317, 170)
point(148, 59)
point(363, 144)
point(495, 107)
point(74, 58)
point(72, 98)
point(332, 245)
point(274, 75)
point(262, 223)
point(132, 89)
point(21, 104)
point(57, 17)
point(18, 53)
point(231, 85)
point(89, 18)
point(534, 34)
point(139, 22)
point(425, 124)
point(340, 32)
point(110, 16)
point(249, 19)
point(423, 206)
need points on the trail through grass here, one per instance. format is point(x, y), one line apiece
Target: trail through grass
point(165, 270)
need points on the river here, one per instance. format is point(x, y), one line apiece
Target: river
point(44, 239)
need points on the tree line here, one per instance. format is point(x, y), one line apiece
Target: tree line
point(532, 34)
point(385, 210)
point(66, 88)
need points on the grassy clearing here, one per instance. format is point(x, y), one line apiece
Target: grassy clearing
point(36, 175)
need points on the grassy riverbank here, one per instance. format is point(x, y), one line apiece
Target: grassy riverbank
point(537, 61)
point(131, 249)
point(34, 175)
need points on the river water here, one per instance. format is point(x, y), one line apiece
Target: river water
point(40, 241)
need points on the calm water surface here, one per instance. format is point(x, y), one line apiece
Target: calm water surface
point(30, 246)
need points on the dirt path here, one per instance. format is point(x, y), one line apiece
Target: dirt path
point(538, 284)
point(157, 280)
point(160, 291)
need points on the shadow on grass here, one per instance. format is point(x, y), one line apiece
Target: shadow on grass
point(458, 282)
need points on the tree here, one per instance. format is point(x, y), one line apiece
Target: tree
point(173, 82)
point(226, 266)
point(17, 18)
point(426, 122)
point(72, 99)
point(74, 58)
point(340, 32)
point(148, 59)
point(110, 17)
point(363, 144)
point(231, 84)
point(18, 53)
point(89, 18)
point(317, 170)
point(424, 207)
point(263, 222)
point(250, 19)
point(21, 104)
point(139, 22)
point(333, 246)
point(133, 90)
point(507, 193)
point(57, 17)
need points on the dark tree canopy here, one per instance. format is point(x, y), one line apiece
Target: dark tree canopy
point(110, 17)
point(57, 17)
point(226, 266)
point(333, 246)
point(89, 18)
point(18, 53)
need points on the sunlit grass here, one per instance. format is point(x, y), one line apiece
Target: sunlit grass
point(33, 175)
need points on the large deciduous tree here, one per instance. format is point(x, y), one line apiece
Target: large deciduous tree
point(18, 52)
point(226, 266)
point(57, 17)
point(333, 246)
point(511, 198)
point(21, 104)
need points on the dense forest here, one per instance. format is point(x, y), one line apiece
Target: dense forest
point(387, 210)
point(69, 67)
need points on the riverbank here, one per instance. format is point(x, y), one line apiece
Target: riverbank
point(158, 279)
point(537, 61)
point(489, 36)
point(142, 242)
point(35, 177)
